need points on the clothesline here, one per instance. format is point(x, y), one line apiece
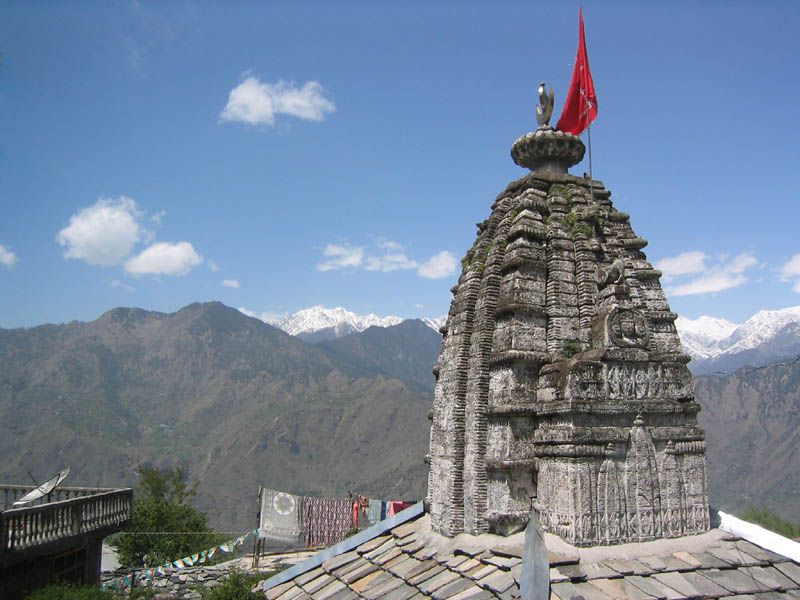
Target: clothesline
point(311, 521)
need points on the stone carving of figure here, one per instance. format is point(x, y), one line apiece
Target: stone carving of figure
point(615, 274)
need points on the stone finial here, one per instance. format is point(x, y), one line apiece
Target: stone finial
point(548, 150)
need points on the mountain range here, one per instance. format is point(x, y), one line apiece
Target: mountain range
point(318, 323)
point(241, 403)
point(719, 346)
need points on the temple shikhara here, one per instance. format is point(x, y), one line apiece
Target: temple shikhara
point(562, 385)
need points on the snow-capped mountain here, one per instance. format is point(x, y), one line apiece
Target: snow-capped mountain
point(320, 323)
point(767, 337)
point(435, 323)
point(701, 336)
point(334, 322)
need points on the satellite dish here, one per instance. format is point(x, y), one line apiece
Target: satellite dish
point(44, 489)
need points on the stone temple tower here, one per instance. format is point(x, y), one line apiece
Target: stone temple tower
point(561, 383)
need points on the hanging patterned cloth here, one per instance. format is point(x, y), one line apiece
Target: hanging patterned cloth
point(326, 520)
point(280, 517)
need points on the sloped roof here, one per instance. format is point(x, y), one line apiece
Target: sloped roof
point(402, 558)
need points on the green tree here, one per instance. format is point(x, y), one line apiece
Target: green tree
point(164, 525)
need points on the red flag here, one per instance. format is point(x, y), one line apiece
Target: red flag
point(580, 108)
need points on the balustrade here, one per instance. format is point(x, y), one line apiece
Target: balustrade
point(26, 527)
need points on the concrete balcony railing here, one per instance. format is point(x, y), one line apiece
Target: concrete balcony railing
point(88, 513)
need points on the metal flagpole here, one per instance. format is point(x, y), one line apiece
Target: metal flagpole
point(589, 134)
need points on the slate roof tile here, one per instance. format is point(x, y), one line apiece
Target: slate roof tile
point(688, 558)
point(405, 530)
point(402, 592)
point(308, 576)
point(510, 551)
point(372, 544)
point(316, 584)
point(438, 581)
point(502, 562)
point(770, 577)
point(574, 572)
point(734, 580)
point(360, 585)
point(405, 567)
point(473, 593)
point(759, 554)
point(564, 590)
point(731, 554)
point(652, 586)
point(591, 592)
point(362, 570)
point(703, 584)
point(330, 590)
point(424, 576)
point(337, 561)
point(557, 559)
point(557, 576)
point(620, 589)
point(499, 581)
point(790, 569)
point(378, 586)
point(385, 547)
point(597, 570)
point(709, 561)
point(468, 564)
point(628, 567)
point(279, 589)
point(454, 561)
point(388, 556)
point(654, 562)
point(481, 571)
point(690, 584)
point(453, 588)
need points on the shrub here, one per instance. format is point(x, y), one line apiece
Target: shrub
point(236, 587)
point(63, 591)
point(772, 521)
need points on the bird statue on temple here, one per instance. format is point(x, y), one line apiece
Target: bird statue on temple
point(544, 111)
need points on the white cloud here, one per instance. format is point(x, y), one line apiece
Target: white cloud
point(163, 258)
point(394, 259)
point(231, 283)
point(438, 266)
point(341, 256)
point(723, 275)
point(157, 218)
point(7, 258)
point(116, 283)
point(790, 272)
point(212, 265)
point(791, 269)
point(256, 103)
point(103, 234)
point(686, 263)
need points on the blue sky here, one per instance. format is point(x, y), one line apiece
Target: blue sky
point(281, 155)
